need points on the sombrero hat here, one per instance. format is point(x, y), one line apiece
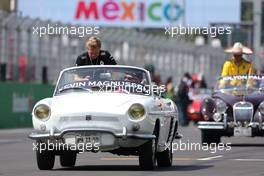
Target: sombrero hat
point(238, 48)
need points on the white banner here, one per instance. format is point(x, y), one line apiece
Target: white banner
point(133, 13)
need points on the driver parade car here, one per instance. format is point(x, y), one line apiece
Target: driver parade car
point(112, 109)
point(236, 108)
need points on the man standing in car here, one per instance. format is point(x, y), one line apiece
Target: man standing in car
point(94, 55)
point(237, 65)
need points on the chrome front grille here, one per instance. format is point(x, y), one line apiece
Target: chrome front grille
point(243, 112)
point(91, 118)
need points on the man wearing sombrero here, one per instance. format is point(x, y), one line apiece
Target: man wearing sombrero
point(237, 65)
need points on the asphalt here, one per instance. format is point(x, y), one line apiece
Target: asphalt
point(242, 156)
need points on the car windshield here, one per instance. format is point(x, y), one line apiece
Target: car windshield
point(240, 84)
point(104, 79)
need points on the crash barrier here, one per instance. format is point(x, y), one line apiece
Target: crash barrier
point(27, 56)
point(17, 101)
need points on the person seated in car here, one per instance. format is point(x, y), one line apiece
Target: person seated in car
point(134, 77)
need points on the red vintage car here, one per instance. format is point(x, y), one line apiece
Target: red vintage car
point(194, 109)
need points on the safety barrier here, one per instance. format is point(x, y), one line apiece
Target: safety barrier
point(17, 101)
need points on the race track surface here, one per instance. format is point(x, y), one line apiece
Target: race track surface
point(245, 157)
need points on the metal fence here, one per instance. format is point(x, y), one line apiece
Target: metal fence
point(25, 56)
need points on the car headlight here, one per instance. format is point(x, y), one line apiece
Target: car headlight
point(221, 106)
point(42, 112)
point(136, 112)
point(261, 108)
point(217, 117)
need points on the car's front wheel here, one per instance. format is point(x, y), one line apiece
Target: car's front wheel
point(68, 158)
point(165, 158)
point(210, 137)
point(147, 155)
point(45, 159)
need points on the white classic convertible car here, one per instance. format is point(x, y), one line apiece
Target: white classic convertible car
point(112, 109)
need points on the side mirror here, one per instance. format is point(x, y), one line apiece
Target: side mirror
point(155, 89)
point(158, 90)
point(162, 90)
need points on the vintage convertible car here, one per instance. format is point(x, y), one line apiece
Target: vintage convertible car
point(112, 109)
point(236, 108)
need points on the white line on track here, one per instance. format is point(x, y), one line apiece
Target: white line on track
point(210, 158)
point(10, 140)
point(176, 159)
point(119, 158)
point(261, 160)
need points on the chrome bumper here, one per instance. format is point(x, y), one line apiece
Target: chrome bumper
point(53, 134)
point(211, 125)
point(223, 126)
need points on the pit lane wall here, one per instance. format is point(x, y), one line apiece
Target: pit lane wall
point(17, 101)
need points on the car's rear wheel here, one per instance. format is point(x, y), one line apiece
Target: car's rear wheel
point(210, 137)
point(147, 155)
point(45, 159)
point(68, 158)
point(165, 158)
